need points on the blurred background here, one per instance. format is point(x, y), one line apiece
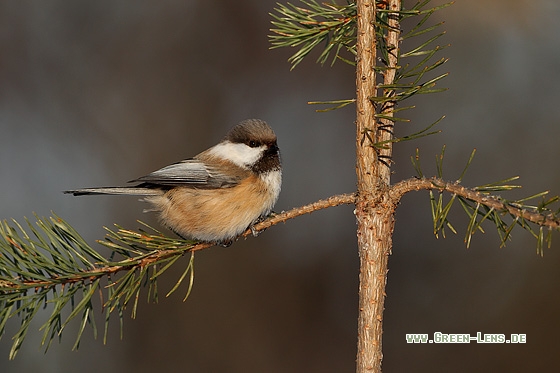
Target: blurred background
point(98, 93)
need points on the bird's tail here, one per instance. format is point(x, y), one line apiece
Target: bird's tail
point(132, 191)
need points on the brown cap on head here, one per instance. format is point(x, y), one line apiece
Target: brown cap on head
point(252, 132)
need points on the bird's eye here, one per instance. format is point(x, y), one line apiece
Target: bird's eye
point(253, 144)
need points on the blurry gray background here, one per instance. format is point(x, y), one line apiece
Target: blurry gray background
point(100, 92)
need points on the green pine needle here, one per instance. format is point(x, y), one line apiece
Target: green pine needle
point(54, 267)
point(504, 214)
point(332, 27)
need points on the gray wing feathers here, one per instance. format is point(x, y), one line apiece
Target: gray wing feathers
point(191, 172)
point(186, 172)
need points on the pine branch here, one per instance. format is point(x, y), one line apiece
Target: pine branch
point(274, 219)
point(481, 206)
point(308, 26)
point(55, 266)
point(334, 26)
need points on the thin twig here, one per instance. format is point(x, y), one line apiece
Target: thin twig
point(491, 201)
point(336, 200)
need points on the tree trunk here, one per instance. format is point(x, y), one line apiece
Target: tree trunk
point(374, 209)
point(375, 229)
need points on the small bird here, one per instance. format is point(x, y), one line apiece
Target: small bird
point(216, 195)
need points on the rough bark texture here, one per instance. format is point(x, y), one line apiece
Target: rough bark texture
point(371, 233)
point(375, 227)
point(374, 208)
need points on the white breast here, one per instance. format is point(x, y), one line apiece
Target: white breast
point(273, 181)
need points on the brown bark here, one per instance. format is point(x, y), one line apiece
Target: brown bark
point(374, 207)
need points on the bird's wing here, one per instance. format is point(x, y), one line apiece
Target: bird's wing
point(190, 172)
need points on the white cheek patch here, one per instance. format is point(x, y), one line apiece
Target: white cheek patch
point(240, 154)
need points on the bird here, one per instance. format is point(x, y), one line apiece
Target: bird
point(218, 194)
